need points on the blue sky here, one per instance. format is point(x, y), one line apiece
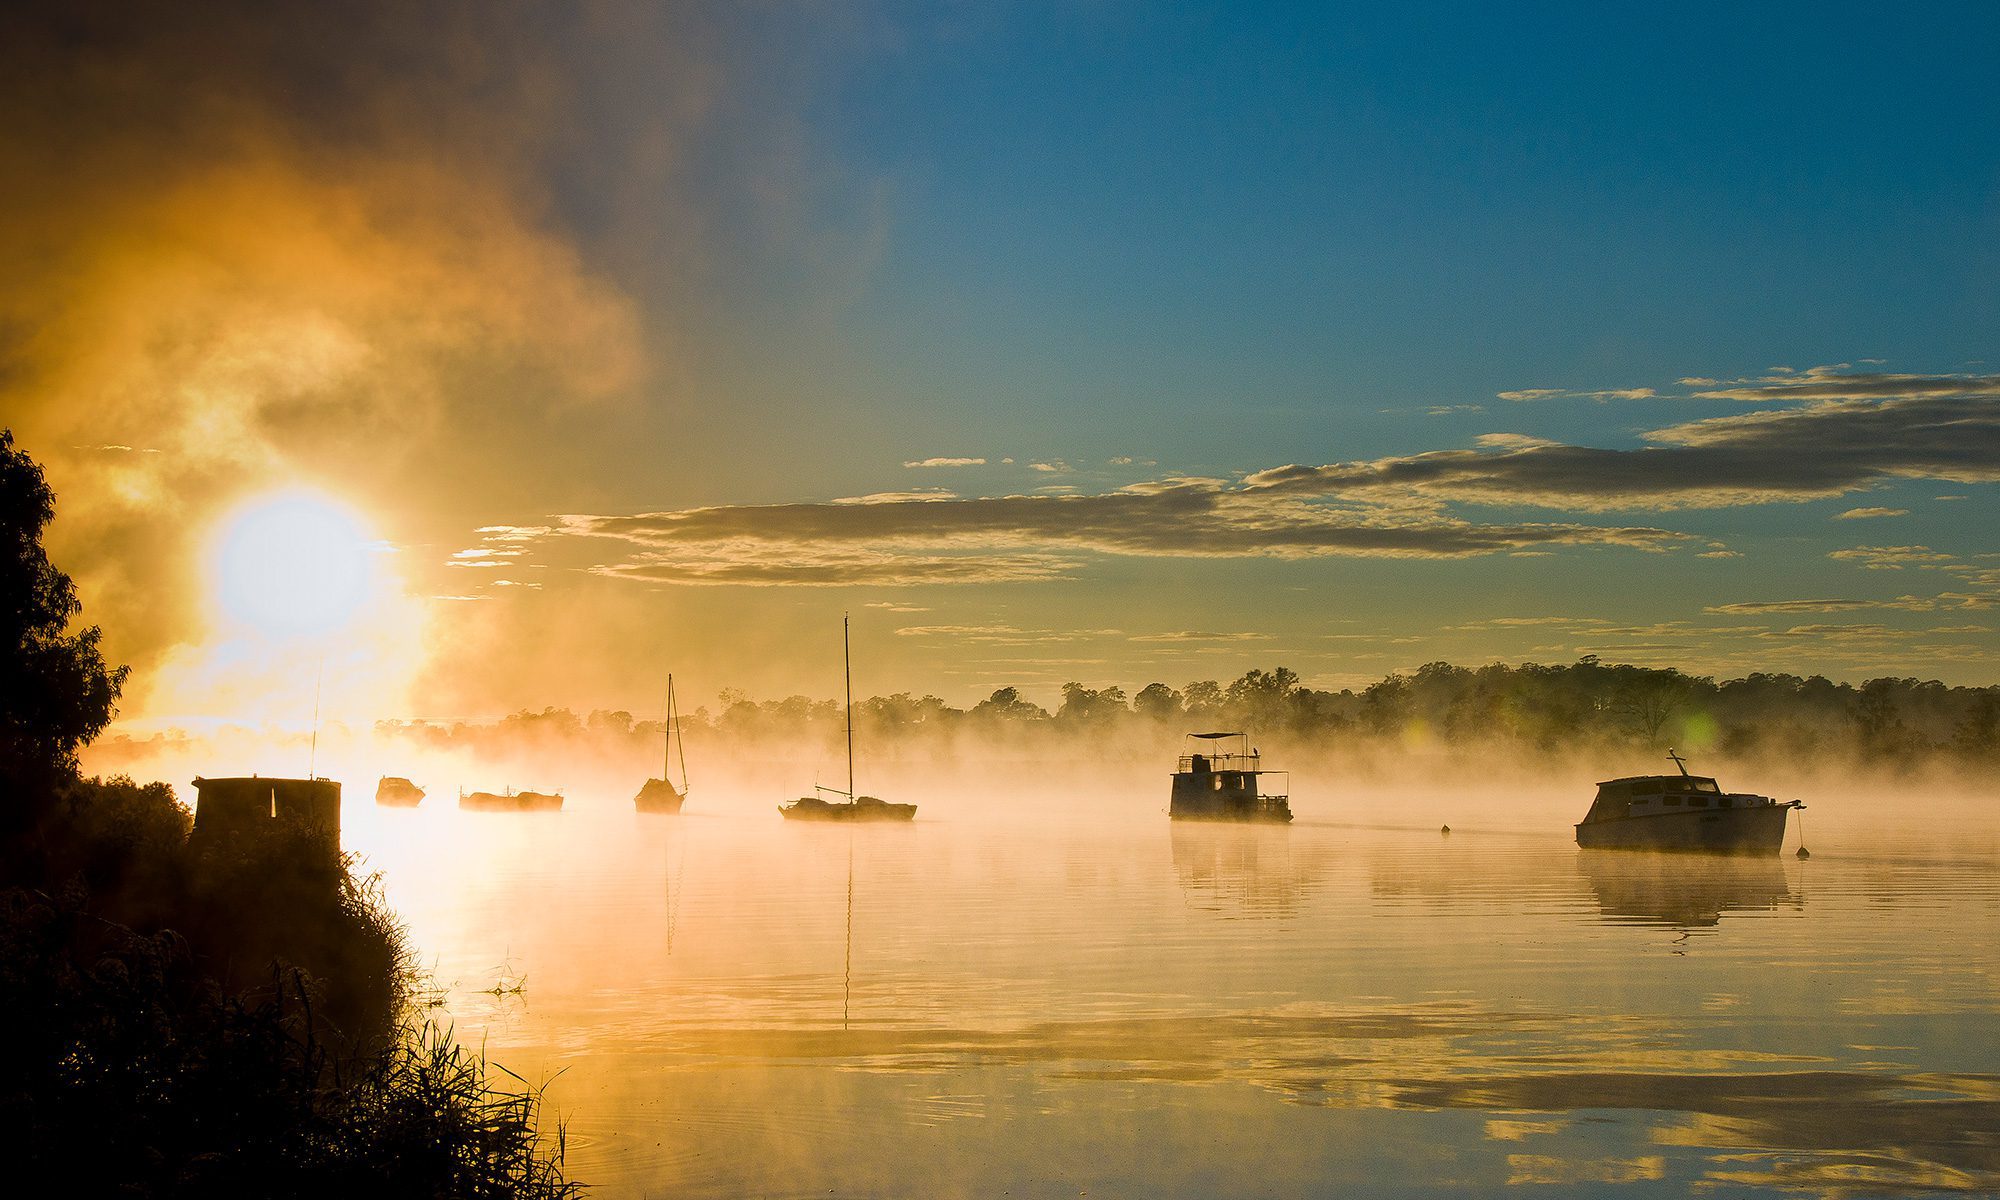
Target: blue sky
point(1090, 220)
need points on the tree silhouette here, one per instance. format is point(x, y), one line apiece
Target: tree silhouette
point(56, 693)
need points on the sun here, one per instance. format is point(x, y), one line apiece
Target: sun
point(294, 564)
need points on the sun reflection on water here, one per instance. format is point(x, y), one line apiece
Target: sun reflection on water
point(1046, 1006)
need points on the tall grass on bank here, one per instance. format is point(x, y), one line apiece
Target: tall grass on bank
point(231, 1023)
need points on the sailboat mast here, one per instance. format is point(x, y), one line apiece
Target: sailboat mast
point(680, 738)
point(847, 668)
point(667, 748)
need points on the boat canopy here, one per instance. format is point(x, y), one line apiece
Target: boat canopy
point(1674, 783)
point(1238, 759)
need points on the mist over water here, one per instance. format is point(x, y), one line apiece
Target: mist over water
point(1043, 987)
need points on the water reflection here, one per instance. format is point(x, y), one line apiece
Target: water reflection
point(1685, 891)
point(1249, 870)
point(731, 1006)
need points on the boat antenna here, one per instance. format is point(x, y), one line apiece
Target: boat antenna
point(847, 668)
point(1677, 761)
point(312, 755)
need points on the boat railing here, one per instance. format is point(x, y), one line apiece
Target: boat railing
point(1252, 762)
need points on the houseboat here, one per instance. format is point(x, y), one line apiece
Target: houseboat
point(1682, 812)
point(1220, 778)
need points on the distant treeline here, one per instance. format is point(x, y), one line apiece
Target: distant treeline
point(1887, 722)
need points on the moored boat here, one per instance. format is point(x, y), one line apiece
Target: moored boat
point(510, 801)
point(659, 795)
point(1223, 781)
point(852, 807)
point(861, 808)
point(398, 792)
point(1682, 812)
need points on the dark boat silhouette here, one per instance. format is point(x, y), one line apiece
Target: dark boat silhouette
point(510, 801)
point(659, 795)
point(860, 808)
point(1217, 783)
point(233, 810)
point(395, 791)
point(1682, 812)
point(852, 807)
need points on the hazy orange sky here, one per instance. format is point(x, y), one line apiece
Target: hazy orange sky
point(1103, 342)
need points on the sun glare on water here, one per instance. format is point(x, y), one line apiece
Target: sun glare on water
point(293, 564)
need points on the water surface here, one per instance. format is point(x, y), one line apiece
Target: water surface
point(1067, 999)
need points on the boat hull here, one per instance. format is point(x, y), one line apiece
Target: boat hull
point(1759, 830)
point(396, 792)
point(811, 808)
point(659, 797)
point(1274, 814)
point(1225, 796)
point(518, 802)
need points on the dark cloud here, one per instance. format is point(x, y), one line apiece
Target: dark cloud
point(1836, 383)
point(1391, 507)
point(761, 565)
point(1762, 607)
point(1007, 538)
point(1823, 449)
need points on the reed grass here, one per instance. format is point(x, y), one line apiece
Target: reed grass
point(234, 1023)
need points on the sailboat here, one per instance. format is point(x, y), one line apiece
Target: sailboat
point(658, 795)
point(853, 808)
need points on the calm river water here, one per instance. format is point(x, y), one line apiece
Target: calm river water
point(1082, 999)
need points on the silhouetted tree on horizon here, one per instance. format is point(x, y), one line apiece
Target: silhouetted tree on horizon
point(56, 691)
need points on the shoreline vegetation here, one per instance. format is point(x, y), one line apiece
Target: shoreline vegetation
point(1456, 719)
point(232, 1020)
point(229, 1018)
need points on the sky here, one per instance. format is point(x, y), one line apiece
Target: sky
point(1100, 342)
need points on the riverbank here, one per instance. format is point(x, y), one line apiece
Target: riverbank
point(230, 1020)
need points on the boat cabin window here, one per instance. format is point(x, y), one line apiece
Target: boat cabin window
point(1726, 802)
point(1671, 800)
point(1218, 783)
point(1697, 801)
point(1705, 785)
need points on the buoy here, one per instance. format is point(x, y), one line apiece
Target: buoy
point(1804, 853)
point(1446, 831)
